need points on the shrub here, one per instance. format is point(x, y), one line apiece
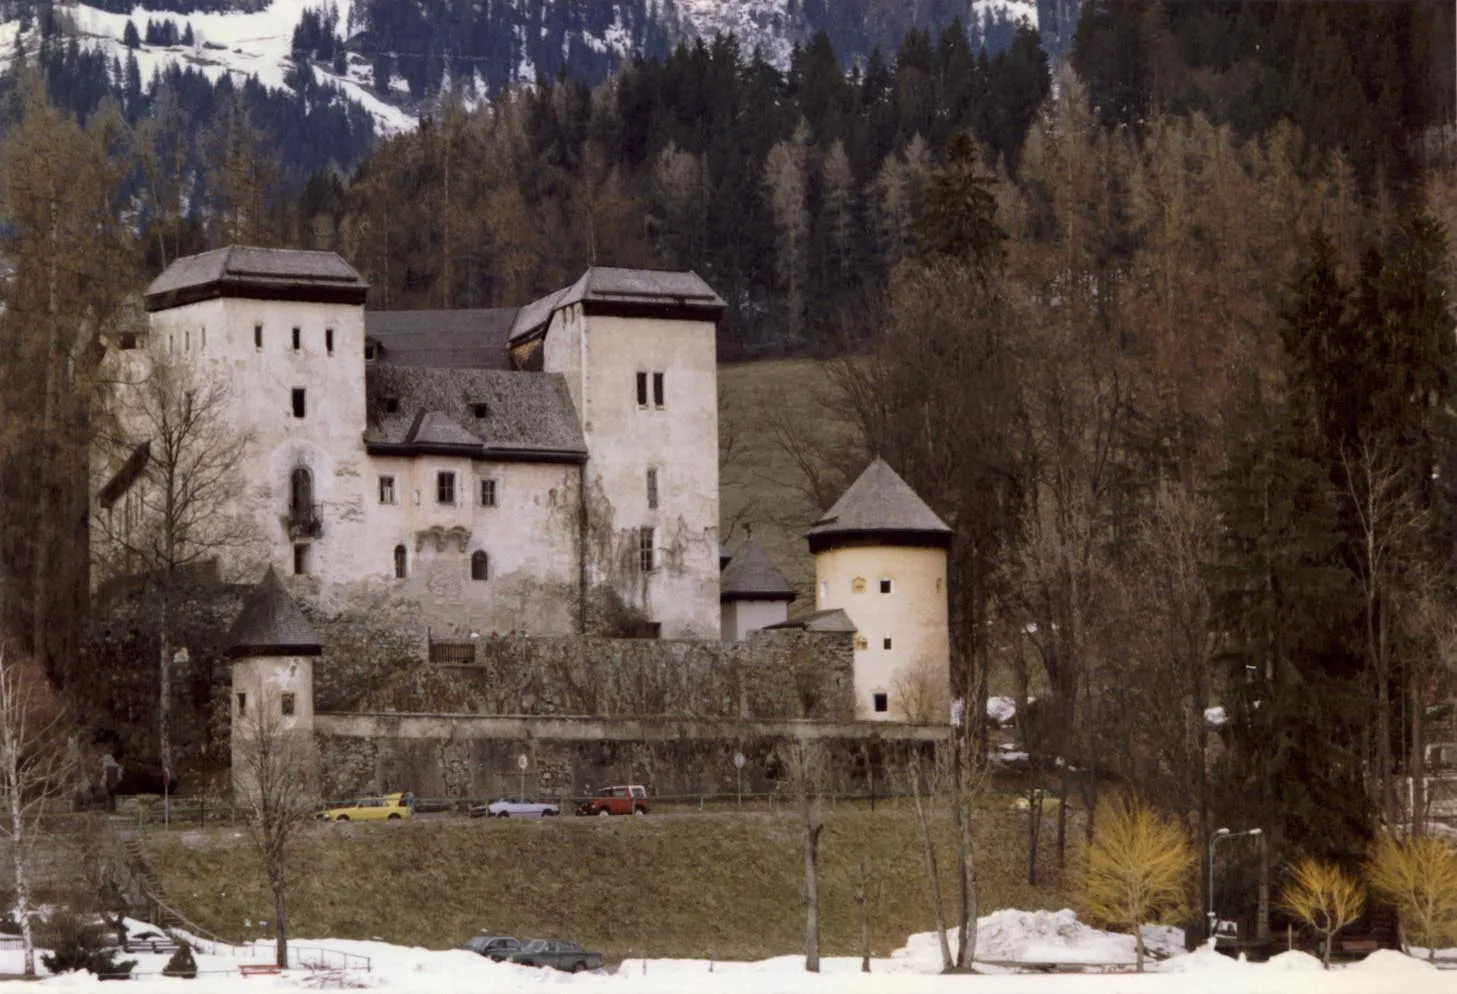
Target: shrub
point(182, 964)
point(78, 945)
point(1138, 868)
point(1325, 898)
point(1419, 877)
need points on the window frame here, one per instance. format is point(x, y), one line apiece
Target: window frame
point(647, 549)
point(482, 559)
point(329, 340)
point(886, 586)
point(242, 697)
point(401, 562)
point(300, 401)
point(487, 492)
point(287, 704)
point(300, 559)
point(652, 485)
point(642, 390)
point(298, 338)
point(445, 485)
point(887, 644)
point(880, 702)
point(660, 399)
point(387, 488)
point(257, 337)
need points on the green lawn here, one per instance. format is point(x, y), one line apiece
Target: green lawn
point(720, 884)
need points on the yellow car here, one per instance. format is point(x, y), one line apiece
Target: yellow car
point(391, 807)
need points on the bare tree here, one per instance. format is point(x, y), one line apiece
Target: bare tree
point(924, 781)
point(36, 768)
point(804, 762)
point(273, 777)
point(171, 503)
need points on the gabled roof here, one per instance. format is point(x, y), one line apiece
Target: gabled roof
point(752, 576)
point(271, 624)
point(878, 506)
point(611, 290)
point(259, 274)
point(527, 416)
point(832, 620)
point(463, 339)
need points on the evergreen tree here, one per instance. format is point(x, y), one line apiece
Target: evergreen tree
point(129, 36)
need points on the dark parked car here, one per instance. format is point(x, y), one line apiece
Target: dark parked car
point(496, 947)
point(562, 954)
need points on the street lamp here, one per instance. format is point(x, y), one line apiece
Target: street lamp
point(1221, 833)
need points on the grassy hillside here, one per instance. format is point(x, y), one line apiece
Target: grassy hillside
point(719, 883)
point(760, 485)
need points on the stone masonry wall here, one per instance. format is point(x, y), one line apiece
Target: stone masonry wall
point(771, 675)
point(458, 756)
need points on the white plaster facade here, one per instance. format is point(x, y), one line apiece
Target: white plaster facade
point(902, 642)
point(602, 357)
point(544, 550)
point(740, 617)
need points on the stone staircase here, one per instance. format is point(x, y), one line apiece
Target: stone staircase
point(145, 879)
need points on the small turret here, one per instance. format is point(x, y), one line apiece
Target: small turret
point(753, 593)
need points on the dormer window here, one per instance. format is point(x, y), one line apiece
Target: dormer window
point(480, 409)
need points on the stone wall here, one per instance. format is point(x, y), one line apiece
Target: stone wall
point(769, 675)
point(462, 756)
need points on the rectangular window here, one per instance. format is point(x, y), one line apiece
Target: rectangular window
point(285, 702)
point(642, 389)
point(128, 341)
point(886, 643)
point(386, 489)
point(392, 405)
point(657, 389)
point(329, 340)
point(298, 402)
point(885, 586)
point(445, 488)
point(652, 489)
point(301, 560)
point(242, 704)
point(488, 493)
point(882, 703)
point(258, 337)
point(297, 336)
point(645, 549)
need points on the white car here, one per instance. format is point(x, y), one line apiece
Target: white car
point(508, 807)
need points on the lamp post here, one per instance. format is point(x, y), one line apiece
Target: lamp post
point(1221, 833)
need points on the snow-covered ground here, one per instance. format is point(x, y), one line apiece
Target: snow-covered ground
point(250, 44)
point(1040, 936)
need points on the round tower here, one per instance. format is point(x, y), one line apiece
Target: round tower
point(880, 556)
point(273, 647)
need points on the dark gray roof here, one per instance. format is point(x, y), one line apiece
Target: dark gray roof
point(245, 271)
point(752, 576)
point(271, 624)
point(528, 415)
point(832, 620)
point(464, 339)
point(879, 503)
point(610, 288)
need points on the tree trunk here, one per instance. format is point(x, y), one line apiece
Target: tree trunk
point(863, 897)
point(1034, 832)
point(1325, 958)
point(18, 843)
point(1138, 946)
point(811, 891)
point(280, 921)
point(931, 874)
point(1416, 762)
point(960, 818)
point(1062, 816)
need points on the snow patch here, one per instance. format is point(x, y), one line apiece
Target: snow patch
point(1391, 961)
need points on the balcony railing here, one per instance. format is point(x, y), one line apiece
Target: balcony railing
point(305, 521)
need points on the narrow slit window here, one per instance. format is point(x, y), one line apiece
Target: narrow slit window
point(203, 346)
point(285, 704)
point(258, 337)
point(480, 565)
point(642, 389)
point(445, 488)
point(645, 549)
point(657, 389)
point(401, 562)
point(329, 340)
point(301, 560)
point(298, 402)
point(653, 489)
point(242, 704)
point(297, 338)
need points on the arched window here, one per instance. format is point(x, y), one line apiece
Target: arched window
point(480, 566)
point(400, 562)
point(301, 491)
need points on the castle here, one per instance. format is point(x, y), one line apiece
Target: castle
point(543, 472)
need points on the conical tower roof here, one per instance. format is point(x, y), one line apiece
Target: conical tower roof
point(752, 576)
point(878, 508)
point(271, 624)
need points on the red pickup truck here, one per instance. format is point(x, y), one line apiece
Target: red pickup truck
point(623, 800)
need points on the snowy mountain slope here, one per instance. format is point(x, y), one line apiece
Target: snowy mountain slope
point(244, 44)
